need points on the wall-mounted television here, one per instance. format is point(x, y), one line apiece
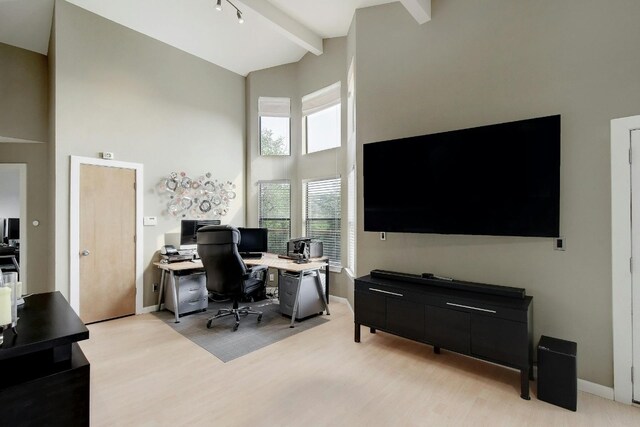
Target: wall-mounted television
point(501, 179)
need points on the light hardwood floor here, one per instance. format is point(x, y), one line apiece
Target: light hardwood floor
point(145, 374)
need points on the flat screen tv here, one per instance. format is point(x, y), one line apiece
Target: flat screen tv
point(253, 239)
point(501, 180)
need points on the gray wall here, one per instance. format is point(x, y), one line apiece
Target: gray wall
point(23, 94)
point(294, 81)
point(477, 64)
point(120, 91)
point(24, 115)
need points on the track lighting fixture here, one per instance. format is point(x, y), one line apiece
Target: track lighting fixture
point(238, 11)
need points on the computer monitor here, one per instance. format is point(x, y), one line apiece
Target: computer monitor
point(189, 230)
point(253, 240)
point(13, 228)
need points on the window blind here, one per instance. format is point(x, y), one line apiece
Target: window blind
point(323, 215)
point(274, 209)
point(274, 107)
point(321, 99)
point(351, 220)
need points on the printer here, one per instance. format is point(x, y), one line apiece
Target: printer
point(304, 247)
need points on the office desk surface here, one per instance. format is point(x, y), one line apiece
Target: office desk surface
point(270, 260)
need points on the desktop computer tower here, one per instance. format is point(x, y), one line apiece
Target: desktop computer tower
point(557, 372)
point(309, 302)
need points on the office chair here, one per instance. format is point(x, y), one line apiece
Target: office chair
point(8, 261)
point(226, 272)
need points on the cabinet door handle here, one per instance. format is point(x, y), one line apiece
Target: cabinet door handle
point(471, 308)
point(386, 292)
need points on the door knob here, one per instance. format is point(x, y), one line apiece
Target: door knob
point(85, 253)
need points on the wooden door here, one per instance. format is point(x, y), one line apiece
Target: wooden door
point(107, 242)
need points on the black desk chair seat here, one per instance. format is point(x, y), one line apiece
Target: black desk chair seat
point(227, 273)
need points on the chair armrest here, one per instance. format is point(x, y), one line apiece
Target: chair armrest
point(256, 268)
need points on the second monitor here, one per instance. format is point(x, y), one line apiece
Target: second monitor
point(253, 241)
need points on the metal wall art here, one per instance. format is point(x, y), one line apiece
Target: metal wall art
point(201, 198)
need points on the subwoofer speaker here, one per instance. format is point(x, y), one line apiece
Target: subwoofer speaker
point(557, 372)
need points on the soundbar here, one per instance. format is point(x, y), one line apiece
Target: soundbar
point(446, 282)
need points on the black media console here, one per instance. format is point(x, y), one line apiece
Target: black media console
point(488, 322)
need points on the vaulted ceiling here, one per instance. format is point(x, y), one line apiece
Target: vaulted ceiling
point(274, 32)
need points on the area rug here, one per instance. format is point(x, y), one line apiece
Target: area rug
point(227, 345)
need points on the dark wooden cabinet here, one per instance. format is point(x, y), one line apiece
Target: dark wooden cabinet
point(496, 328)
point(46, 380)
point(450, 329)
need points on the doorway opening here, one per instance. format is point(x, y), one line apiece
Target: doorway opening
point(13, 220)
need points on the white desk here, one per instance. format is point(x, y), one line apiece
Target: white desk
point(271, 261)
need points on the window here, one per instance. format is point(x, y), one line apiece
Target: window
point(322, 215)
point(351, 221)
point(275, 126)
point(274, 210)
point(321, 112)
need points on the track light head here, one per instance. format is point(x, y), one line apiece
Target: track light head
point(219, 5)
point(240, 18)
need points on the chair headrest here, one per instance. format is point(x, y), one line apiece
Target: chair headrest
point(218, 235)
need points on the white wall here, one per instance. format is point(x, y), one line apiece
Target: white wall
point(117, 90)
point(479, 63)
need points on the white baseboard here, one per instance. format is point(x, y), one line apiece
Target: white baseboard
point(149, 309)
point(596, 389)
point(341, 300)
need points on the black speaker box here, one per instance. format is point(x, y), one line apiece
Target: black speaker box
point(557, 372)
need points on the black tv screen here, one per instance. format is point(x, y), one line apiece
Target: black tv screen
point(253, 239)
point(501, 180)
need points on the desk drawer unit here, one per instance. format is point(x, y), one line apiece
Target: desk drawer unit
point(192, 294)
point(309, 302)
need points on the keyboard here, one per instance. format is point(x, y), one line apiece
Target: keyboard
point(248, 255)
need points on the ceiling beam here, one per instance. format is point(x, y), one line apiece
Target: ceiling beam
point(419, 9)
point(286, 25)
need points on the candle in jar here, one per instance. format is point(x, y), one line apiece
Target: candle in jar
point(5, 306)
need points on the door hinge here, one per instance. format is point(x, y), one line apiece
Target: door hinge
point(632, 374)
point(631, 265)
point(629, 155)
point(135, 240)
point(135, 186)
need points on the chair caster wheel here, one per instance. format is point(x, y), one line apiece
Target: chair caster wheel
point(209, 324)
point(259, 317)
point(235, 327)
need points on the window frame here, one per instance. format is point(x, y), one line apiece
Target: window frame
point(274, 110)
point(319, 101)
point(334, 266)
point(261, 218)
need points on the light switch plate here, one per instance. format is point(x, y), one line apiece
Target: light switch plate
point(559, 244)
point(107, 155)
point(150, 220)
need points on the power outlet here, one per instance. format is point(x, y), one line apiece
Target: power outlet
point(560, 244)
point(155, 287)
point(271, 277)
point(383, 235)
